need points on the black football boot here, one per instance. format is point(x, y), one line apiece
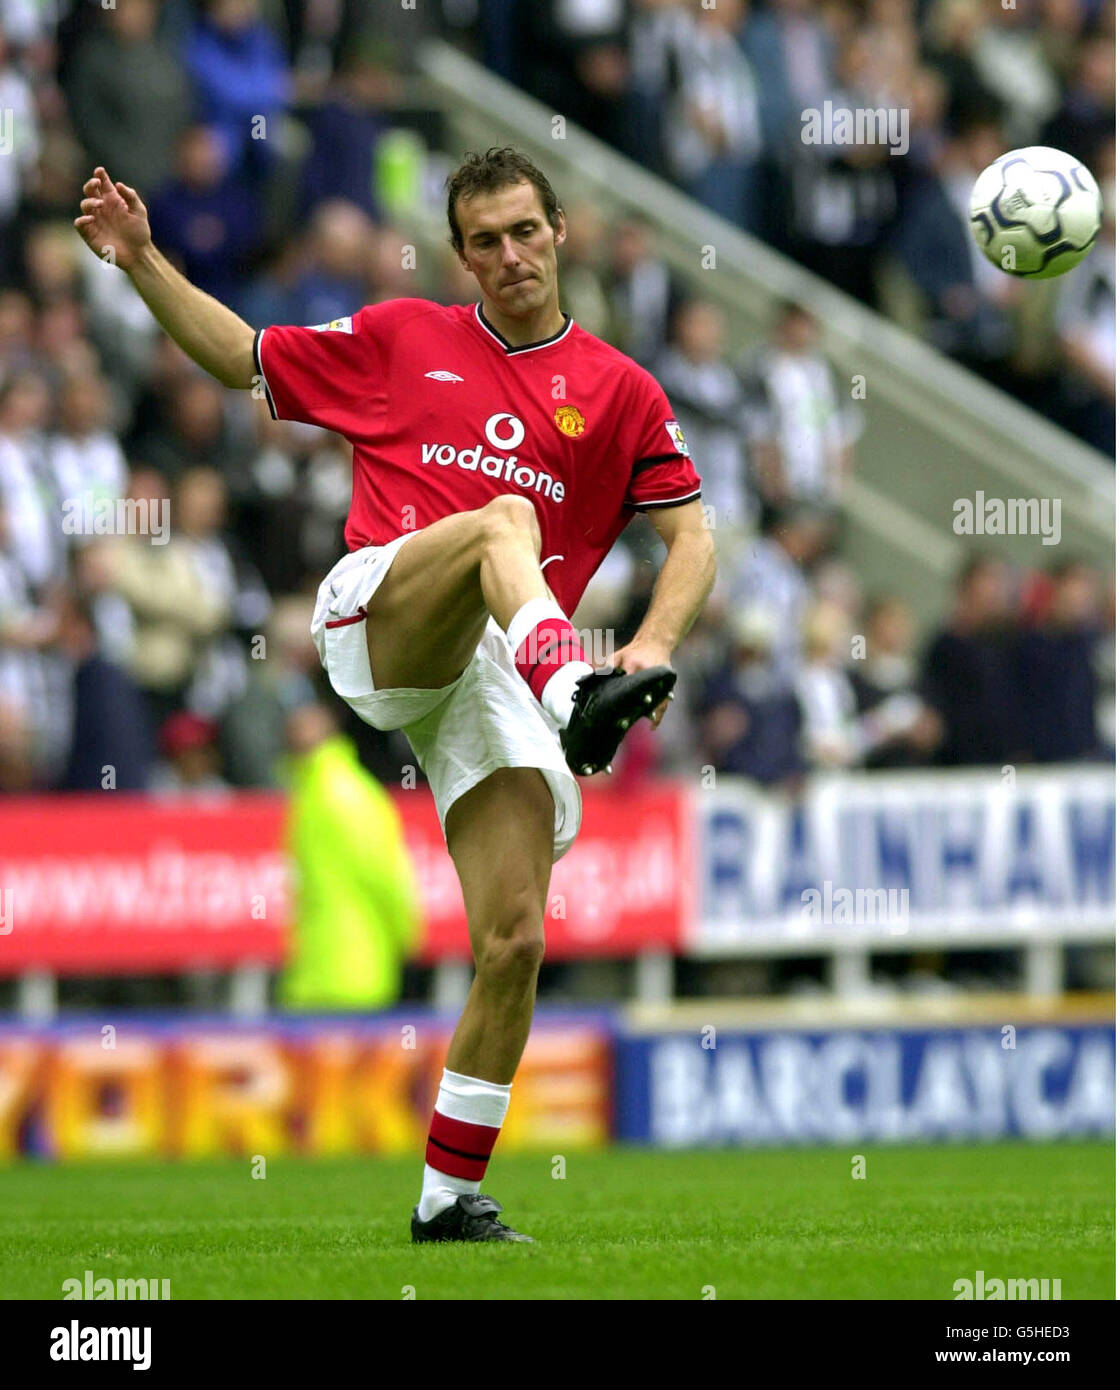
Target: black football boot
point(472, 1217)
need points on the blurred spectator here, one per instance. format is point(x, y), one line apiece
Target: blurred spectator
point(575, 60)
point(707, 399)
point(19, 149)
point(837, 583)
point(175, 611)
point(241, 80)
point(206, 218)
point(51, 263)
point(644, 297)
point(830, 730)
point(1056, 673)
point(970, 672)
point(190, 765)
point(713, 125)
point(1087, 325)
point(85, 455)
point(36, 700)
point(801, 434)
point(16, 771)
point(17, 333)
point(931, 241)
point(230, 582)
point(1104, 667)
point(356, 915)
point(899, 730)
point(111, 740)
point(345, 128)
point(1011, 61)
point(977, 144)
point(1087, 116)
point(61, 342)
point(655, 29)
point(28, 492)
point(789, 48)
point(391, 274)
point(291, 519)
point(844, 197)
point(776, 573)
point(750, 719)
point(953, 29)
point(582, 293)
point(121, 328)
point(336, 281)
point(283, 675)
point(129, 96)
point(193, 431)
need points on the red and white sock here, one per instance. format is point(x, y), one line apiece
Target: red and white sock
point(547, 653)
point(465, 1126)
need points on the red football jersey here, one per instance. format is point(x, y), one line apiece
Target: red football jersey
point(445, 414)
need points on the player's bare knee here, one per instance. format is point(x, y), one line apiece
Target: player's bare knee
point(513, 954)
point(509, 516)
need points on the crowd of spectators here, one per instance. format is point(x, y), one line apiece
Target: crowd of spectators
point(161, 538)
point(714, 97)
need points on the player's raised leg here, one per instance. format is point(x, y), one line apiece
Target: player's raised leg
point(429, 613)
point(500, 835)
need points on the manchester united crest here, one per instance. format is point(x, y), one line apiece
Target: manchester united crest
point(569, 421)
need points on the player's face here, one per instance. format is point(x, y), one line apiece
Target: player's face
point(510, 248)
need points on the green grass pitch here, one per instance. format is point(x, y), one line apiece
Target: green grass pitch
point(622, 1224)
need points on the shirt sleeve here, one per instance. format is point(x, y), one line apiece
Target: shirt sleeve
point(317, 375)
point(662, 473)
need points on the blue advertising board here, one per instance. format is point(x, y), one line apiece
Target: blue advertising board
point(713, 1088)
point(980, 856)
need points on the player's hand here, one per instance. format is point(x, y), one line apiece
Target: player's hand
point(640, 656)
point(113, 216)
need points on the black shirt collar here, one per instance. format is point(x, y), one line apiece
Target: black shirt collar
point(509, 348)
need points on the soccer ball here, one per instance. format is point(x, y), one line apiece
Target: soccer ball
point(1035, 212)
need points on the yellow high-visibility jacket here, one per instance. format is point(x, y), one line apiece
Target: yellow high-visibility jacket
point(356, 913)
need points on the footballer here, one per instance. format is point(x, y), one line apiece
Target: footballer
point(499, 451)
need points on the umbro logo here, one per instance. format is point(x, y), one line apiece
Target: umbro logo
point(443, 376)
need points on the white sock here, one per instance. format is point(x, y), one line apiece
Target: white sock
point(475, 1102)
point(441, 1190)
point(560, 688)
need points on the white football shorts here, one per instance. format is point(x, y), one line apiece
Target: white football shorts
point(460, 733)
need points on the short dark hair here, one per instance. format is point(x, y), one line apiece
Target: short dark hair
point(787, 309)
point(500, 167)
point(975, 563)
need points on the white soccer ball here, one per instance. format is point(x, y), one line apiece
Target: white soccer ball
point(1035, 212)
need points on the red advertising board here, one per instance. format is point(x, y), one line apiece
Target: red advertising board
point(100, 885)
point(130, 885)
point(623, 887)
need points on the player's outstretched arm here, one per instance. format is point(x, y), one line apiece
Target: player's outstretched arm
point(683, 585)
point(221, 343)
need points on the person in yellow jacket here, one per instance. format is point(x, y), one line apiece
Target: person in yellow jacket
point(356, 913)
